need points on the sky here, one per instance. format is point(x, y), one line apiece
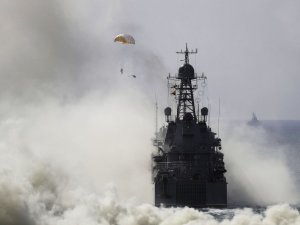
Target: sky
point(249, 51)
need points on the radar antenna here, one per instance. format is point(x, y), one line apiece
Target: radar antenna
point(186, 74)
point(185, 85)
point(186, 53)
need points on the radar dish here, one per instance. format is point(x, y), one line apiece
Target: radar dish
point(168, 111)
point(204, 111)
point(186, 71)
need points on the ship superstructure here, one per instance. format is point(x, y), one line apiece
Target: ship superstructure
point(188, 168)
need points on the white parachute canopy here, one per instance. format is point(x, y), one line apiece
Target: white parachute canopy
point(124, 39)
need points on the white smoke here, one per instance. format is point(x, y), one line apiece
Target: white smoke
point(87, 163)
point(45, 196)
point(96, 141)
point(258, 168)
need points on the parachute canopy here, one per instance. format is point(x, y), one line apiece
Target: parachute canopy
point(125, 39)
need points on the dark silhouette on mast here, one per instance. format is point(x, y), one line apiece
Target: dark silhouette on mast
point(186, 75)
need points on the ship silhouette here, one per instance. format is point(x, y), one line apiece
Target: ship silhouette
point(254, 121)
point(188, 167)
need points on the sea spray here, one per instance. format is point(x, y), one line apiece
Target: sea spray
point(43, 190)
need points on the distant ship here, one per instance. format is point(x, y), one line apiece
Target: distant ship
point(254, 121)
point(188, 167)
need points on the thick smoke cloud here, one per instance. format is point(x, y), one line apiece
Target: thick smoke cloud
point(12, 210)
point(62, 50)
point(37, 51)
point(48, 199)
point(260, 171)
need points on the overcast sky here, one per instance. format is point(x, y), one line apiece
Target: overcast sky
point(250, 50)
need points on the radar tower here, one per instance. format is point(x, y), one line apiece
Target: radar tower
point(185, 88)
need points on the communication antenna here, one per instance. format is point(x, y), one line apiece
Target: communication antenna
point(219, 117)
point(156, 122)
point(186, 53)
point(209, 109)
point(196, 61)
point(168, 96)
point(198, 111)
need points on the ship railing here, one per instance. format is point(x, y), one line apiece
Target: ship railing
point(157, 142)
point(172, 165)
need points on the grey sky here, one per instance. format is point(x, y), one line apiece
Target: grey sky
point(250, 50)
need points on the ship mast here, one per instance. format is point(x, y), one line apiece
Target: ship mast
point(186, 74)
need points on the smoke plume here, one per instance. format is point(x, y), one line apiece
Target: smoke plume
point(259, 172)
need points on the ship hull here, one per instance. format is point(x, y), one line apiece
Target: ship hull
point(191, 193)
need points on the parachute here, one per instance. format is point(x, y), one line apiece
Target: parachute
point(124, 39)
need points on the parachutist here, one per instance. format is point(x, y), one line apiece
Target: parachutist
point(125, 39)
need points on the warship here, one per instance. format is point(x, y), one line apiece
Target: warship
point(188, 167)
point(254, 121)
